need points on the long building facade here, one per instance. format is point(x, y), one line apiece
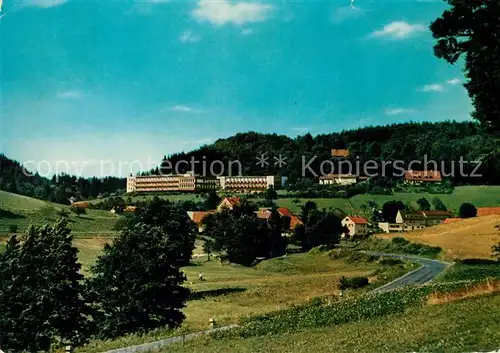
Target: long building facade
point(192, 183)
point(172, 182)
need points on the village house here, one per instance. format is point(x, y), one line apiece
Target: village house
point(198, 217)
point(421, 219)
point(338, 179)
point(289, 220)
point(228, 203)
point(340, 153)
point(356, 225)
point(419, 177)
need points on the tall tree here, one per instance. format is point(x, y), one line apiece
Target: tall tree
point(424, 204)
point(390, 210)
point(472, 29)
point(467, 210)
point(41, 292)
point(136, 283)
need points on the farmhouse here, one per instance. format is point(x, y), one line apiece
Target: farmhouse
point(421, 219)
point(289, 220)
point(198, 216)
point(228, 203)
point(356, 225)
point(419, 177)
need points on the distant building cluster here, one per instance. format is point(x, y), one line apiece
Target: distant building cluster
point(192, 183)
point(412, 220)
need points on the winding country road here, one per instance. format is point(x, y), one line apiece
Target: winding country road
point(425, 273)
point(428, 270)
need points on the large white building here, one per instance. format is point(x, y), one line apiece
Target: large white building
point(338, 179)
point(171, 182)
point(249, 183)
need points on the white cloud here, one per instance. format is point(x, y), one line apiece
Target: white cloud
point(69, 95)
point(223, 12)
point(189, 37)
point(246, 31)
point(344, 13)
point(454, 81)
point(185, 109)
point(399, 30)
point(399, 111)
point(435, 87)
point(44, 3)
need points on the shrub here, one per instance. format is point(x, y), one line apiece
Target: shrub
point(353, 282)
point(390, 261)
point(12, 228)
point(467, 210)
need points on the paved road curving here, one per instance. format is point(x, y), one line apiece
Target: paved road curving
point(427, 272)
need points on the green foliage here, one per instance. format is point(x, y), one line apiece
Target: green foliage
point(400, 245)
point(174, 221)
point(390, 210)
point(438, 204)
point(424, 204)
point(320, 227)
point(135, 284)
point(467, 210)
point(41, 292)
point(78, 210)
point(343, 311)
point(211, 201)
point(470, 29)
point(353, 282)
point(13, 228)
point(472, 270)
point(271, 194)
point(352, 257)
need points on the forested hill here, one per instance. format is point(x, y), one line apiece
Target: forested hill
point(442, 141)
point(57, 189)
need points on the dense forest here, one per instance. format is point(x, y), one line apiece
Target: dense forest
point(444, 142)
point(60, 189)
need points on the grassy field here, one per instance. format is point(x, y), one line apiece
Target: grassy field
point(480, 196)
point(463, 326)
point(468, 238)
point(24, 211)
point(145, 197)
point(231, 292)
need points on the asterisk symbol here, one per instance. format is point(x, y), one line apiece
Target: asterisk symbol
point(262, 160)
point(280, 161)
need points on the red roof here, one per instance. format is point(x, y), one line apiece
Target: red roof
point(451, 220)
point(197, 216)
point(423, 175)
point(294, 222)
point(284, 212)
point(486, 211)
point(358, 219)
point(233, 200)
point(340, 153)
point(263, 213)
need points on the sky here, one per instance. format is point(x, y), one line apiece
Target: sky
point(91, 85)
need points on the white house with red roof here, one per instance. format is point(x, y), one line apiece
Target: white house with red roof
point(356, 225)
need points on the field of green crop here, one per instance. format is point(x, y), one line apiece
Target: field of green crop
point(465, 326)
point(21, 211)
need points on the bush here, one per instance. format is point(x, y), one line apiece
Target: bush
point(353, 282)
point(390, 261)
point(467, 210)
point(12, 228)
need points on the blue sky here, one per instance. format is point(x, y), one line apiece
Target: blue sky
point(86, 81)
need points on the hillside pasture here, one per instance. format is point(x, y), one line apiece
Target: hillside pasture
point(467, 238)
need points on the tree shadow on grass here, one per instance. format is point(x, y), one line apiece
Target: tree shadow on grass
point(214, 293)
point(10, 215)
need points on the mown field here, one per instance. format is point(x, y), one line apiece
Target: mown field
point(22, 211)
point(468, 238)
point(230, 292)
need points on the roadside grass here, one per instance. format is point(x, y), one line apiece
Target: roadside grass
point(464, 270)
point(475, 290)
point(464, 326)
point(231, 293)
point(468, 238)
point(399, 245)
